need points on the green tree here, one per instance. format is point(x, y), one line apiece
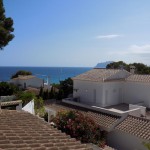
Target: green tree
point(118, 65)
point(140, 68)
point(6, 27)
point(41, 92)
point(7, 89)
point(66, 87)
point(21, 72)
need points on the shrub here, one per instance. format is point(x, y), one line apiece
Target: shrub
point(7, 89)
point(80, 127)
point(26, 97)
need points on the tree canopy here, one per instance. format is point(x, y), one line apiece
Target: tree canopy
point(6, 27)
point(21, 72)
point(7, 89)
point(140, 68)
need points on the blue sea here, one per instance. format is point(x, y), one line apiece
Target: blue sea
point(54, 74)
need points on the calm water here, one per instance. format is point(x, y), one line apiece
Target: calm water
point(55, 74)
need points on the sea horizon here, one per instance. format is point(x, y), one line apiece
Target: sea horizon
point(53, 74)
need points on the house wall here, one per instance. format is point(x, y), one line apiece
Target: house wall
point(98, 93)
point(135, 92)
point(123, 141)
point(33, 82)
point(112, 93)
point(88, 92)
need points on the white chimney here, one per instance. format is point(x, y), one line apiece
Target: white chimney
point(132, 69)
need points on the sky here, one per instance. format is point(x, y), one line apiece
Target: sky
point(77, 33)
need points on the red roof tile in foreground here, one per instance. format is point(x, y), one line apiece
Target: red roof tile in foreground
point(20, 130)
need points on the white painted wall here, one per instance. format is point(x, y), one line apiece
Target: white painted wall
point(123, 141)
point(89, 92)
point(29, 107)
point(33, 82)
point(142, 110)
point(135, 92)
point(98, 93)
point(112, 93)
point(19, 107)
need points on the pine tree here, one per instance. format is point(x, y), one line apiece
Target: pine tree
point(6, 27)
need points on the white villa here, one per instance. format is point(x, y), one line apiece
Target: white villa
point(106, 87)
point(25, 81)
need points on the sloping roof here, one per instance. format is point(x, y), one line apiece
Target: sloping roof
point(11, 103)
point(23, 131)
point(138, 78)
point(136, 126)
point(97, 74)
point(102, 119)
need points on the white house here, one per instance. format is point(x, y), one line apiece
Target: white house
point(106, 87)
point(25, 81)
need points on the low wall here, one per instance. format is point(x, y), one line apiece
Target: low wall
point(7, 98)
point(140, 112)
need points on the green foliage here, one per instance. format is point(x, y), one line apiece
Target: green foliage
point(6, 27)
point(117, 65)
point(80, 127)
point(21, 72)
point(38, 102)
point(67, 87)
point(147, 145)
point(139, 67)
point(7, 89)
point(39, 107)
point(26, 97)
point(58, 91)
point(45, 116)
point(41, 92)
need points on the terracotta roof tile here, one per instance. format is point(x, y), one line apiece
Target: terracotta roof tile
point(97, 74)
point(21, 130)
point(11, 103)
point(136, 126)
point(139, 78)
point(24, 77)
point(102, 119)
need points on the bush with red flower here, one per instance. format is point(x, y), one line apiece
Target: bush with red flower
point(80, 126)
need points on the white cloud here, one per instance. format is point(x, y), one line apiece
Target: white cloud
point(110, 36)
point(144, 49)
point(133, 50)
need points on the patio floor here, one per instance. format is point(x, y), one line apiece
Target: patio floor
point(121, 107)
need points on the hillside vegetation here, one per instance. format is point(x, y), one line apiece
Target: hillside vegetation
point(140, 68)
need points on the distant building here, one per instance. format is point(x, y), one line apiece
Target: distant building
point(106, 87)
point(25, 81)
